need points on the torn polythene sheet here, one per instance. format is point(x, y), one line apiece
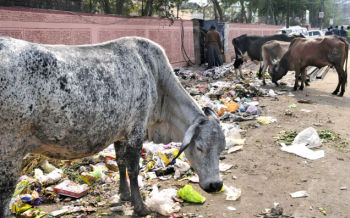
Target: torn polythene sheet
point(302, 151)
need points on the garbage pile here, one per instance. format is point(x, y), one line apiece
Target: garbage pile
point(214, 73)
point(72, 181)
point(231, 101)
point(49, 182)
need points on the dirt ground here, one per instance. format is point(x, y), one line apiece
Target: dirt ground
point(265, 174)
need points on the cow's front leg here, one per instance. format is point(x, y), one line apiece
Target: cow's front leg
point(296, 80)
point(303, 79)
point(133, 154)
point(120, 150)
point(8, 180)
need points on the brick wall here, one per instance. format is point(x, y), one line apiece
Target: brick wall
point(237, 29)
point(70, 28)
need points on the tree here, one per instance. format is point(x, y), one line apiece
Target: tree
point(218, 9)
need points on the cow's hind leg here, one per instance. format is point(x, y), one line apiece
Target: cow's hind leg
point(342, 77)
point(129, 154)
point(120, 150)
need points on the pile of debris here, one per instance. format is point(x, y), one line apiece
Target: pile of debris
point(214, 73)
point(70, 181)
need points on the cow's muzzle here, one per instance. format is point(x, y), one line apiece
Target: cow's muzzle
point(213, 186)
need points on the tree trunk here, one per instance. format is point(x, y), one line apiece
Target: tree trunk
point(218, 9)
point(177, 10)
point(250, 16)
point(215, 13)
point(120, 6)
point(106, 6)
point(243, 13)
point(148, 8)
point(90, 6)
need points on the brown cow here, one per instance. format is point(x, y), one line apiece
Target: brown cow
point(271, 51)
point(319, 52)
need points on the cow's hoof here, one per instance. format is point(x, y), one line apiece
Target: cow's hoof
point(141, 210)
point(341, 94)
point(334, 93)
point(301, 88)
point(295, 88)
point(125, 196)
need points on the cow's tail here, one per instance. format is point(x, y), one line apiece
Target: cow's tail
point(346, 60)
point(346, 57)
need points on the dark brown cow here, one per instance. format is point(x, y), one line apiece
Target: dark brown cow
point(319, 52)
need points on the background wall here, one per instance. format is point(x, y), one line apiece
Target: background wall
point(237, 29)
point(71, 28)
point(56, 27)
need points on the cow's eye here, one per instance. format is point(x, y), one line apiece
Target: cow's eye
point(199, 148)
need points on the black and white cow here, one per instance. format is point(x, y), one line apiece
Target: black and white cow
point(251, 46)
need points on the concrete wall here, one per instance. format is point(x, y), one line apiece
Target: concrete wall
point(56, 27)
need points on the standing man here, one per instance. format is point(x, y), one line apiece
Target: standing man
point(343, 32)
point(213, 43)
point(329, 31)
point(336, 31)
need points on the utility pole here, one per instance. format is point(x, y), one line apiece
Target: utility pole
point(288, 14)
point(322, 17)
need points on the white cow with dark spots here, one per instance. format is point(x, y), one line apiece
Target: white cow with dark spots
point(69, 102)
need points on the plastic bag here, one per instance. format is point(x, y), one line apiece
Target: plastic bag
point(232, 193)
point(48, 168)
point(302, 151)
point(37, 213)
point(162, 201)
point(266, 120)
point(187, 193)
point(17, 205)
point(49, 178)
point(180, 167)
point(308, 136)
point(232, 106)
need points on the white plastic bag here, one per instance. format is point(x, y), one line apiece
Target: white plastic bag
point(302, 151)
point(162, 201)
point(308, 136)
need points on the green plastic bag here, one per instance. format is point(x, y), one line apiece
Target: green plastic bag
point(189, 194)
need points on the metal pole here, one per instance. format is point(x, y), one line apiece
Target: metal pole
point(322, 6)
point(288, 14)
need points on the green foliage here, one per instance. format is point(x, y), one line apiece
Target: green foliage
point(328, 135)
point(287, 137)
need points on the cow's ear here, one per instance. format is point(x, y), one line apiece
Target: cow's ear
point(210, 113)
point(189, 135)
